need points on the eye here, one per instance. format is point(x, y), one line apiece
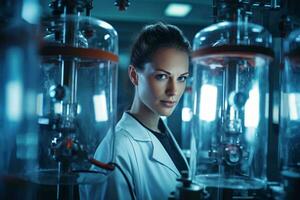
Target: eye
point(160, 77)
point(182, 78)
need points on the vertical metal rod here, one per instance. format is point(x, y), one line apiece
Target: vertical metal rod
point(69, 67)
point(58, 182)
point(74, 83)
point(68, 79)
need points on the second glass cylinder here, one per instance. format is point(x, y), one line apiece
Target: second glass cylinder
point(230, 105)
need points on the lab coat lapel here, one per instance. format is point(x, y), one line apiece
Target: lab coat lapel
point(140, 133)
point(159, 154)
point(134, 128)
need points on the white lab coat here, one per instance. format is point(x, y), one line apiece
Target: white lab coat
point(150, 170)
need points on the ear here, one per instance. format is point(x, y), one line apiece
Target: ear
point(133, 75)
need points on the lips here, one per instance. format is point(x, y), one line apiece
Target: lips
point(168, 104)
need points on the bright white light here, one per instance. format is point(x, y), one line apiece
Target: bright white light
point(43, 120)
point(100, 107)
point(57, 108)
point(178, 10)
point(202, 38)
point(31, 11)
point(215, 65)
point(250, 134)
point(276, 114)
point(39, 104)
point(105, 25)
point(78, 109)
point(258, 39)
point(256, 29)
point(106, 36)
point(225, 23)
point(13, 88)
point(197, 35)
point(186, 114)
point(293, 106)
point(208, 102)
point(14, 95)
point(195, 105)
point(259, 61)
point(252, 109)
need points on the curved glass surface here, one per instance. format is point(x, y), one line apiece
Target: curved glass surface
point(76, 101)
point(290, 108)
point(230, 105)
point(232, 33)
point(85, 32)
point(18, 82)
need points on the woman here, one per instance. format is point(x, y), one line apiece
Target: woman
point(142, 145)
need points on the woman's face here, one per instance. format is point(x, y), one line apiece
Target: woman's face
point(162, 82)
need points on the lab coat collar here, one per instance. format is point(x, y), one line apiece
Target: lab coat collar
point(159, 154)
point(140, 133)
point(134, 128)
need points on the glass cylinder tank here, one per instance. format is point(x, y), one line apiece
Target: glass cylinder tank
point(230, 105)
point(77, 97)
point(18, 81)
point(290, 119)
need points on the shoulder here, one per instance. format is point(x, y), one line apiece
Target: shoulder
point(131, 128)
point(123, 140)
point(120, 140)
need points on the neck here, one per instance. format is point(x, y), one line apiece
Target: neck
point(145, 115)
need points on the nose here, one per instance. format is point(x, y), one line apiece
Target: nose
point(171, 87)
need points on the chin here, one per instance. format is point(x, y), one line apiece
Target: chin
point(165, 113)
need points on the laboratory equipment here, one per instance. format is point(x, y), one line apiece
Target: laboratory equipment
point(18, 80)
point(186, 189)
point(230, 102)
point(76, 102)
point(289, 117)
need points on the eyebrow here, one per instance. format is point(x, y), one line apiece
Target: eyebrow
point(186, 73)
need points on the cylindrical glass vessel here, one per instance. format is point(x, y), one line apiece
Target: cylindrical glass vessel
point(76, 103)
point(230, 105)
point(289, 116)
point(18, 81)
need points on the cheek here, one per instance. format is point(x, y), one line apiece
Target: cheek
point(150, 89)
point(155, 87)
point(181, 89)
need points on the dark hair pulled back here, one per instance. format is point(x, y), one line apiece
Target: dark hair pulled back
point(154, 37)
